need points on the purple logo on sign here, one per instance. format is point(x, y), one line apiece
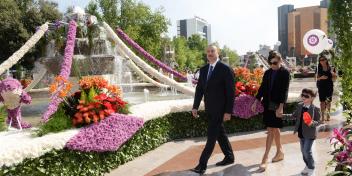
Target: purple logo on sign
point(313, 40)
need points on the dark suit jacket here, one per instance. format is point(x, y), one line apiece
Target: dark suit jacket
point(218, 92)
point(279, 92)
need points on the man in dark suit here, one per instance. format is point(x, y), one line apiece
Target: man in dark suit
point(216, 84)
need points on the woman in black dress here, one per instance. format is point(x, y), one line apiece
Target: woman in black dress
point(325, 84)
point(273, 93)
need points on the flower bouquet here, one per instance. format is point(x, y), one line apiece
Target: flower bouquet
point(247, 82)
point(342, 154)
point(246, 87)
point(95, 100)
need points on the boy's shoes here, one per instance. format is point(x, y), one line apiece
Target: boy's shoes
point(307, 171)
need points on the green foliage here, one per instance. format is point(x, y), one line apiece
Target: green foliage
point(3, 116)
point(340, 13)
point(189, 53)
point(58, 122)
point(138, 20)
point(91, 95)
point(18, 22)
point(234, 58)
point(154, 133)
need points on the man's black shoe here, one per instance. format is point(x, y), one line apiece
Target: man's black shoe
point(200, 170)
point(225, 162)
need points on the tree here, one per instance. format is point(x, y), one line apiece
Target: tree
point(18, 22)
point(341, 17)
point(196, 42)
point(234, 58)
point(181, 49)
point(142, 24)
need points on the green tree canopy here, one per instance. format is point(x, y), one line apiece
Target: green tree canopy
point(340, 13)
point(18, 22)
point(138, 20)
point(234, 58)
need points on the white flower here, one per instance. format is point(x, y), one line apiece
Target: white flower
point(16, 146)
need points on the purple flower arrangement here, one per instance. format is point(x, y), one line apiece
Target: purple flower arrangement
point(242, 106)
point(65, 69)
point(108, 135)
point(342, 155)
point(148, 56)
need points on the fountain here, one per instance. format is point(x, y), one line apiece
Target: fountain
point(146, 95)
point(163, 90)
point(189, 80)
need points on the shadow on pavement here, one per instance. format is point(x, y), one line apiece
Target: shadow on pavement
point(238, 170)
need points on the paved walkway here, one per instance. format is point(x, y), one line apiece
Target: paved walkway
point(175, 158)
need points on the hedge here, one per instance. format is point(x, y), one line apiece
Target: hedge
point(154, 133)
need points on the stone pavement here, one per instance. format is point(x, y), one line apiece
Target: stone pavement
point(176, 157)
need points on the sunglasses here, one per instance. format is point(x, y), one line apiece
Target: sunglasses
point(322, 60)
point(305, 96)
point(273, 63)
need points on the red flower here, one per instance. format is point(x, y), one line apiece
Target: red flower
point(101, 97)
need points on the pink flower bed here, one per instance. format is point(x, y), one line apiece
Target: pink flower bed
point(242, 107)
point(108, 135)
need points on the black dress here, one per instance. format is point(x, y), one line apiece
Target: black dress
point(325, 87)
point(274, 88)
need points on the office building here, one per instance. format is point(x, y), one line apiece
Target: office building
point(196, 25)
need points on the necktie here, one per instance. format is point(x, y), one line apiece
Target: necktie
point(210, 72)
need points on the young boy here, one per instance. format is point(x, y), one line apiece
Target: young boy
point(307, 119)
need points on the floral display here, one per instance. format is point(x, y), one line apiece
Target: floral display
point(242, 106)
point(145, 66)
point(95, 100)
point(108, 135)
point(12, 95)
point(148, 56)
point(60, 86)
point(342, 143)
point(19, 146)
point(65, 70)
point(246, 87)
point(247, 82)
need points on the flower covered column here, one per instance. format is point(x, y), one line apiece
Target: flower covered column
point(65, 69)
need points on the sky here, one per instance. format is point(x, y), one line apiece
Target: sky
point(242, 25)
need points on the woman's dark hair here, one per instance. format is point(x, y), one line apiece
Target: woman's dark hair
point(320, 67)
point(274, 54)
point(310, 92)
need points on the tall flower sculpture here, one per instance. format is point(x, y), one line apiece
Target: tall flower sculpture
point(65, 69)
point(148, 56)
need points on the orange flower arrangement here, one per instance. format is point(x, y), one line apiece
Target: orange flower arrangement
point(60, 86)
point(93, 81)
point(243, 73)
point(247, 82)
point(98, 82)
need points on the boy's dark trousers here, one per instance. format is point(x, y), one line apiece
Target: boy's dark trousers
point(306, 149)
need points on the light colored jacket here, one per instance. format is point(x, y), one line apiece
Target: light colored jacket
point(309, 132)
